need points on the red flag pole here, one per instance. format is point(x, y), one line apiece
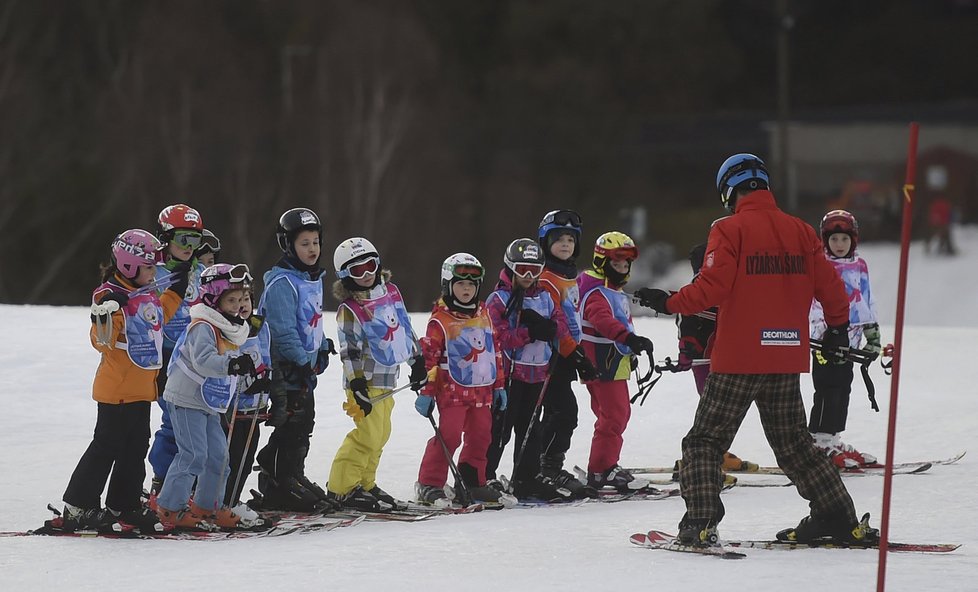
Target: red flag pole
point(908, 190)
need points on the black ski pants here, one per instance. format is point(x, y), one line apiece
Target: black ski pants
point(833, 384)
point(559, 410)
point(285, 454)
point(521, 404)
point(118, 447)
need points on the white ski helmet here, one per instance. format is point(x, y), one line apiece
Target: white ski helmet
point(460, 266)
point(351, 250)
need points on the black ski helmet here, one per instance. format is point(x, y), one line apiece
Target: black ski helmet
point(291, 223)
point(523, 252)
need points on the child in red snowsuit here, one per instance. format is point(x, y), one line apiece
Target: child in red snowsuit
point(468, 379)
point(610, 342)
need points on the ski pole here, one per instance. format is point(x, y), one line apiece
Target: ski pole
point(466, 498)
point(536, 414)
point(244, 454)
point(388, 394)
point(103, 329)
point(159, 284)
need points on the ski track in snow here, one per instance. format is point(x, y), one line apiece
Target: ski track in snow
point(49, 415)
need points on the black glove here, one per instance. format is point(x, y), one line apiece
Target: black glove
point(653, 298)
point(539, 327)
point(419, 375)
point(639, 344)
point(279, 413)
point(322, 358)
point(585, 369)
point(181, 274)
point(242, 365)
point(361, 395)
point(836, 337)
point(262, 384)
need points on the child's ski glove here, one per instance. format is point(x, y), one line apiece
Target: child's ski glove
point(499, 399)
point(419, 376)
point(585, 369)
point(361, 395)
point(425, 405)
point(539, 327)
point(639, 344)
point(242, 365)
point(835, 339)
point(872, 333)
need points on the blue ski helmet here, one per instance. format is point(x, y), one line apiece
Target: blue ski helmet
point(741, 171)
point(560, 221)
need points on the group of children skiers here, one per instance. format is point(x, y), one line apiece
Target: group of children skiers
point(176, 328)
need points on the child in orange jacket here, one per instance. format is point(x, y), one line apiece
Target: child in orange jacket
point(127, 330)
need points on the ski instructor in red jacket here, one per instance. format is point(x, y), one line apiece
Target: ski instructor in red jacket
point(762, 268)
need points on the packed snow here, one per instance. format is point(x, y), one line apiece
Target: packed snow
point(46, 371)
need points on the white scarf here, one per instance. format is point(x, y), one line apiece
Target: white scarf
point(236, 334)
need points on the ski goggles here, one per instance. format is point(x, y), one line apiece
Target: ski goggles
point(187, 239)
point(360, 269)
point(622, 254)
point(209, 244)
point(528, 270)
point(236, 274)
point(468, 272)
point(562, 218)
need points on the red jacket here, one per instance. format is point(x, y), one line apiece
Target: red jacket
point(762, 268)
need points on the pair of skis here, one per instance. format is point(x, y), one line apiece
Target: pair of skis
point(913, 467)
point(657, 539)
point(284, 525)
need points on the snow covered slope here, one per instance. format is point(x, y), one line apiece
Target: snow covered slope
point(46, 369)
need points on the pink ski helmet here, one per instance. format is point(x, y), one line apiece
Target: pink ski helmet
point(133, 248)
point(221, 277)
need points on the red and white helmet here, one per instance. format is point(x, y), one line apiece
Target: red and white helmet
point(221, 277)
point(839, 221)
point(180, 216)
point(133, 248)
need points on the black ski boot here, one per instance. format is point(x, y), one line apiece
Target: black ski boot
point(74, 518)
point(383, 496)
point(697, 532)
point(360, 500)
point(144, 520)
point(838, 529)
point(552, 474)
point(289, 494)
point(618, 478)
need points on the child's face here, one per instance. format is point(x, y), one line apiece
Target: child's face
point(145, 275)
point(621, 265)
point(307, 247)
point(524, 282)
point(180, 248)
point(839, 244)
point(207, 259)
point(464, 290)
point(246, 307)
point(231, 302)
point(563, 247)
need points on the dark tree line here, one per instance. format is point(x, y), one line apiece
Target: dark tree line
point(429, 126)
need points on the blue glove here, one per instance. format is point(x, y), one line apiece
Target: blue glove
point(499, 399)
point(425, 405)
